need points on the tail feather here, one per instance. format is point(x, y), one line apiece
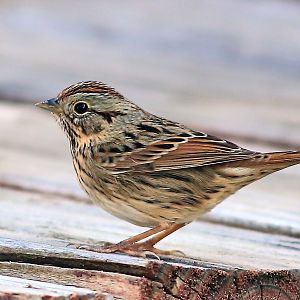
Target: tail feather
point(261, 165)
point(273, 161)
point(290, 157)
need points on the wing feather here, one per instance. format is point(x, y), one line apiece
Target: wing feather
point(178, 153)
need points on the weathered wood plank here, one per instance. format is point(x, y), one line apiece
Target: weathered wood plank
point(40, 217)
point(181, 279)
point(119, 285)
point(16, 288)
point(38, 158)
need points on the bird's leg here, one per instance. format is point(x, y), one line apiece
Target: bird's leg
point(109, 248)
point(134, 246)
point(132, 240)
point(143, 248)
point(144, 235)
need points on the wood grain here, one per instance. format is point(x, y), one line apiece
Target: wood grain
point(119, 285)
point(181, 278)
point(16, 288)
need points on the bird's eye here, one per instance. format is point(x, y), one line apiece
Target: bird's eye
point(81, 108)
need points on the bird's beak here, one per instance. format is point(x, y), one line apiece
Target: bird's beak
point(51, 105)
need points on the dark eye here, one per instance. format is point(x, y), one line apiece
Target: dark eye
point(81, 108)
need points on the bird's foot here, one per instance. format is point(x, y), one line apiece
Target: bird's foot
point(142, 249)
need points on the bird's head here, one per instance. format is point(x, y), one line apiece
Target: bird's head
point(88, 108)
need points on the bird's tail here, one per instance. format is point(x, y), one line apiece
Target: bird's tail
point(273, 161)
point(261, 165)
point(289, 158)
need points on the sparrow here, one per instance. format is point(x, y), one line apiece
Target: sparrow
point(147, 170)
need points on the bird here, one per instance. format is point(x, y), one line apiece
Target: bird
point(147, 170)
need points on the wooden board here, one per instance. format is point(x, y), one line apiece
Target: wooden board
point(244, 249)
point(16, 288)
point(144, 278)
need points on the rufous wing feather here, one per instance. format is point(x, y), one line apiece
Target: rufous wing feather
point(180, 152)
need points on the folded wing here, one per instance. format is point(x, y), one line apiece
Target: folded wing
point(177, 153)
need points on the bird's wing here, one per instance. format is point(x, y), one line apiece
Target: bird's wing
point(178, 152)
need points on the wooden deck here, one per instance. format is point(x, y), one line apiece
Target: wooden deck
point(238, 82)
point(43, 210)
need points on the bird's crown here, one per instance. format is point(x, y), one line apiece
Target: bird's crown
point(96, 87)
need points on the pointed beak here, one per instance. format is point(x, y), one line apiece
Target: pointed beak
point(50, 105)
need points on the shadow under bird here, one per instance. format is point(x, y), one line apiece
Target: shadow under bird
point(147, 170)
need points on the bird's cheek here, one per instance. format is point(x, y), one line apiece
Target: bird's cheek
point(92, 128)
point(85, 127)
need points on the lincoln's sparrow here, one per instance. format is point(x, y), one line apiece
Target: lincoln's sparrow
point(147, 170)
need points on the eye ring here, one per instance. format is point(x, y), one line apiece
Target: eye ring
point(81, 108)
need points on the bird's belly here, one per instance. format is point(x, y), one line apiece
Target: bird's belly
point(161, 197)
point(124, 210)
point(174, 196)
point(154, 208)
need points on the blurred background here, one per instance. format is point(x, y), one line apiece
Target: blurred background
point(230, 68)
